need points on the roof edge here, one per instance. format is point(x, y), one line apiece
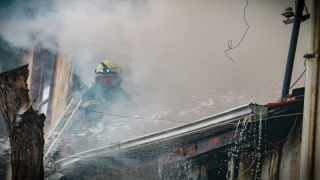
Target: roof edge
point(204, 124)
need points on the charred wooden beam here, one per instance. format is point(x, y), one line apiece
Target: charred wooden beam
point(24, 125)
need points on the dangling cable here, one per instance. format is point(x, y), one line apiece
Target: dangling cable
point(230, 41)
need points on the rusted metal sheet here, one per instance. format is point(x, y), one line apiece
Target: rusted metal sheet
point(205, 146)
point(290, 152)
point(246, 165)
point(274, 165)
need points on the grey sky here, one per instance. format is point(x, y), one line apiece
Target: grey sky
point(172, 52)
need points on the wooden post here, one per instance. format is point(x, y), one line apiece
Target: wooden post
point(24, 125)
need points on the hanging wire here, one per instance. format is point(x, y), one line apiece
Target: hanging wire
point(282, 98)
point(230, 41)
point(297, 79)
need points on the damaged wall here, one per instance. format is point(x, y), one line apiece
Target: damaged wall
point(61, 81)
point(280, 162)
point(62, 86)
point(290, 155)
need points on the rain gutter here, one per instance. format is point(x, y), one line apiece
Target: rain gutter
point(216, 123)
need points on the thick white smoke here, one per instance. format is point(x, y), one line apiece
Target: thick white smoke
point(172, 52)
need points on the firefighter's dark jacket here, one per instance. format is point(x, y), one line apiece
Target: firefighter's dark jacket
point(97, 100)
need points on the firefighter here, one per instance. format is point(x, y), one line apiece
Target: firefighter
point(105, 95)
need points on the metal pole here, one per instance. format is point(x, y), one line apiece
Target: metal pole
point(231, 164)
point(292, 47)
point(309, 167)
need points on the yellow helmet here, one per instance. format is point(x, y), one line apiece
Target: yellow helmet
point(108, 67)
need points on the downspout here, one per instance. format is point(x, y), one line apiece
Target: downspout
point(311, 88)
point(316, 47)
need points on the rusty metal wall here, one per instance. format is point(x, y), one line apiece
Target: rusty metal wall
point(246, 164)
point(290, 155)
point(267, 165)
point(280, 163)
